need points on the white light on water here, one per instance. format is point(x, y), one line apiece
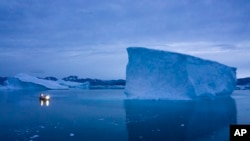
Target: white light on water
point(47, 103)
point(41, 103)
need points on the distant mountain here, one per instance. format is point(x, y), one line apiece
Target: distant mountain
point(50, 78)
point(95, 82)
point(243, 81)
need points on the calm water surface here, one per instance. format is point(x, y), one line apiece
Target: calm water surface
point(105, 115)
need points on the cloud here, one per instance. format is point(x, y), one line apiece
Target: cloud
point(59, 22)
point(112, 59)
point(80, 34)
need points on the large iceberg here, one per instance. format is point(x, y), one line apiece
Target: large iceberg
point(155, 74)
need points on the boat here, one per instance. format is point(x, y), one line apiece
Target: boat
point(44, 97)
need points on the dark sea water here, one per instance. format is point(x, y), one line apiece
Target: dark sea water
point(106, 115)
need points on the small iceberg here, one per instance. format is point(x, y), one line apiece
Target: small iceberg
point(25, 81)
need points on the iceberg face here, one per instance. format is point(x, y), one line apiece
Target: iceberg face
point(158, 74)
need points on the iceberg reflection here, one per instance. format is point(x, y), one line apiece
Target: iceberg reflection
point(180, 120)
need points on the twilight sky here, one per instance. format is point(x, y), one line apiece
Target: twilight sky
point(89, 38)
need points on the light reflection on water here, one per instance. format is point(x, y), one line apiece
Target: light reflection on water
point(71, 115)
point(44, 102)
point(105, 115)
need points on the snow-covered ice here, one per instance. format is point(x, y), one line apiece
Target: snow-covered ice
point(70, 84)
point(155, 74)
point(25, 81)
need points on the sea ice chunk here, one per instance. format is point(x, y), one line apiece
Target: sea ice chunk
point(156, 74)
point(35, 136)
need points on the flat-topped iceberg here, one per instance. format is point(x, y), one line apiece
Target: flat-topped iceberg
point(155, 74)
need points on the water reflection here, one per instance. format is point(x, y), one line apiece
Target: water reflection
point(180, 120)
point(44, 102)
